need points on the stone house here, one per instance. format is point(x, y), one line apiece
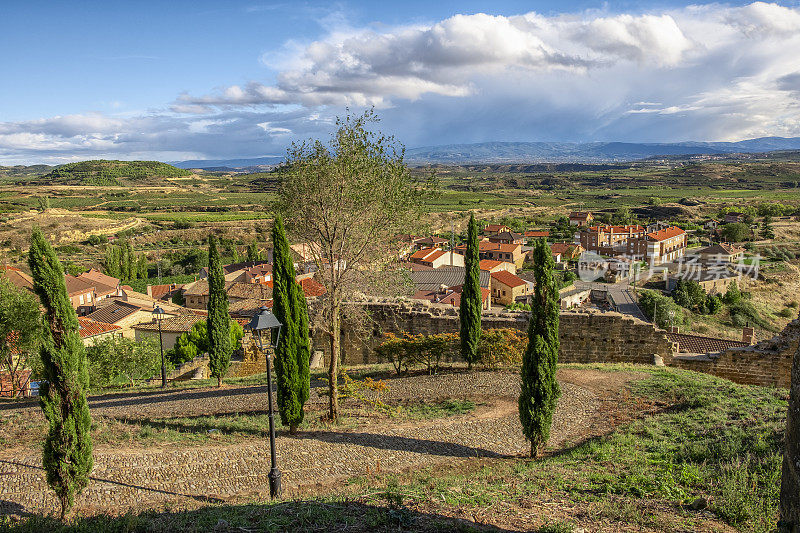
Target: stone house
point(507, 237)
point(121, 314)
point(498, 252)
point(92, 331)
point(610, 240)
point(436, 258)
point(720, 253)
point(657, 247)
point(493, 229)
point(580, 218)
point(105, 286)
point(171, 328)
point(490, 265)
point(81, 294)
point(508, 288)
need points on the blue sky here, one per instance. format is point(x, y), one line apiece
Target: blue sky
point(179, 80)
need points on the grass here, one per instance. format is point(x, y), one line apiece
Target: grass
point(709, 439)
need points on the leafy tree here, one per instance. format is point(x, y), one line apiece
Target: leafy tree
point(766, 228)
point(113, 358)
point(293, 352)
point(689, 294)
point(623, 216)
point(735, 232)
point(21, 332)
point(44, 203)
point(194, 342)
point(732, 295)
point(253, 253)
point(219, 340)
point(714, 304)
point(67, 455)
point(121, 262)
point(661, 309)
point(471, 298)
point(348, 202)
point(540, 390)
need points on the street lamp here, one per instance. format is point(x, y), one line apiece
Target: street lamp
point(264, 320)
point(159, 313)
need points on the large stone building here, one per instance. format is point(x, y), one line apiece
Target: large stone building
point(657, 247)
point(610, 240)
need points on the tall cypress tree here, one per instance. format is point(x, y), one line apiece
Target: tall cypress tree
point(471, 300)
point(219, 321)
point(540, 390)
point(67, 454)
point(294, 351)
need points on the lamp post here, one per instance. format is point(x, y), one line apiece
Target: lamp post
point(264, 320)
point(159, 315)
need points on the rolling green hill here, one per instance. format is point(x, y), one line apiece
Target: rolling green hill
point(102, 172)
point(23, 171)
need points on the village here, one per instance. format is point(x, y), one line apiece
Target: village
point(599, 271)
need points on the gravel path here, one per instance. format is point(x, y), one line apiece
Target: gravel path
point(136, 478)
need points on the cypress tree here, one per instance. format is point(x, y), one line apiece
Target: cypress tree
point(219, 321)
point(293, 351)
point(471, 298)
point(67, 454)
point(540, 390)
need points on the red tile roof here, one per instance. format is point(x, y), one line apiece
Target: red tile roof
point(495, 227)
point(17, 277)
point(508, 279)
point(312, 287)
point(666, 233)
point(95, 276)
point(562, 248)
point(77, 285)
point(91, 328)
point(543, 233)
point(582, 215)
point(489, 264)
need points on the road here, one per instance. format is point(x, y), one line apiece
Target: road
point(622, 295)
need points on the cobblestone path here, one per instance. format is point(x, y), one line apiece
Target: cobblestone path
point(135, 478)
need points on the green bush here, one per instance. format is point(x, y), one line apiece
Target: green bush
point(114, 359)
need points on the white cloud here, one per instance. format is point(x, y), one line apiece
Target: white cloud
point(707, 72)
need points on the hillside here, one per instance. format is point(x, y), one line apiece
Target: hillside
point(103, 172)
point(23, 171)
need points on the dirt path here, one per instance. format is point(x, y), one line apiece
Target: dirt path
point(183, 475)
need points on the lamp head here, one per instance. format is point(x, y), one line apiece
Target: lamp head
point(159, 313)
point(262, 322)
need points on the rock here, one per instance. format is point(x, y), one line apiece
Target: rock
point(699, 504)
point(221, 525)
point(657, 360)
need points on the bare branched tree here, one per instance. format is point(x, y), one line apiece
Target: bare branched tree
point(348, 201)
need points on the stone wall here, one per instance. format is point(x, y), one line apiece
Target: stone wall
point(768, 363)
point(585, 337)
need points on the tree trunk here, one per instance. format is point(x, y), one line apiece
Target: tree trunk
point(333, 384)
point(219, 381)
point(64, 506)
point(790, 484)
point(292, 429)
point(534, 450)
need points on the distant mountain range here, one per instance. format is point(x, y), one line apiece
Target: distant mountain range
point(538, 152)
point(229, 164)
point(597, 152)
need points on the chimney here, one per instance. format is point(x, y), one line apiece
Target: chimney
point(748, 335)
point(674, 329)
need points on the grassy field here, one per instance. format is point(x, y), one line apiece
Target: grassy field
point(701, 453)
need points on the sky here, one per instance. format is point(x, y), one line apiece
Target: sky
point(214, 80)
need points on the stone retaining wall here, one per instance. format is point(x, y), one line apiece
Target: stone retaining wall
point(585, 337)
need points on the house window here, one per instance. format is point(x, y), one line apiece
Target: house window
point(81, 299)
point(504, 293)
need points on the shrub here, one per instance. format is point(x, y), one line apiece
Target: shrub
point(502, 347)
point(497, 347)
